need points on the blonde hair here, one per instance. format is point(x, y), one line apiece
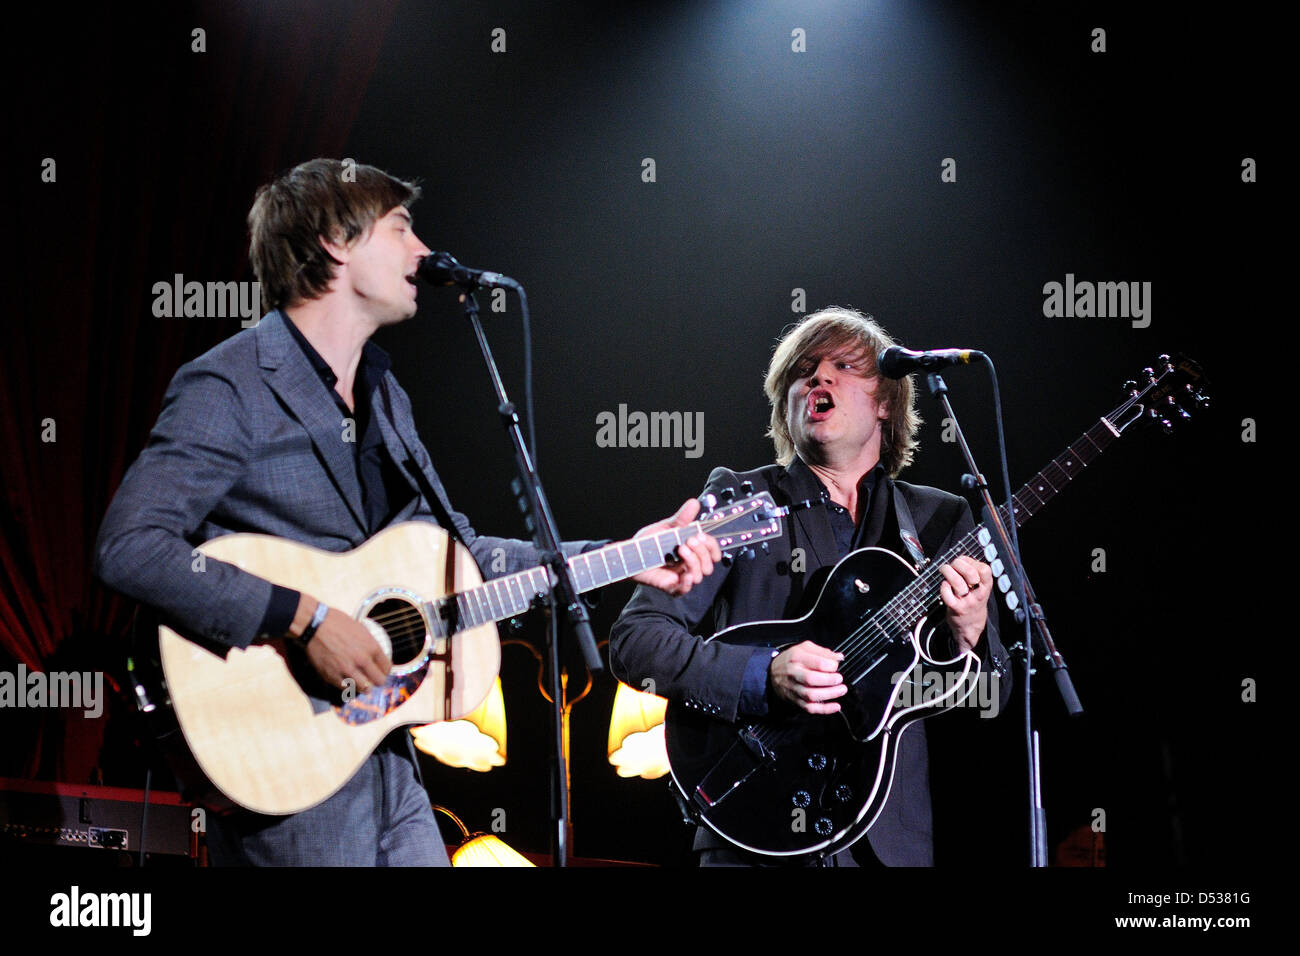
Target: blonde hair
point(824, 333)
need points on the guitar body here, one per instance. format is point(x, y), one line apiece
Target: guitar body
point(794, 783)
point(265, 730)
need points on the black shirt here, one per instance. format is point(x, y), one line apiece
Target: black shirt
point(384, 491)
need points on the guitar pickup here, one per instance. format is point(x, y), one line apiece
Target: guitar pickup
point(737, 765)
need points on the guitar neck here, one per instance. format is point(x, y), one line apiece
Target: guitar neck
point(512, 595)
point(1165, 397)
point(1062, 469)
point(910, 604)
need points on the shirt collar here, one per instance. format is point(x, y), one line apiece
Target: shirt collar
point(374, 360)
point(867, 485)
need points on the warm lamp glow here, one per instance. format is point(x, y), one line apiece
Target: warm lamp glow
point(481, 849)
point(487, 850)
point(636, 734)
point(476, 741)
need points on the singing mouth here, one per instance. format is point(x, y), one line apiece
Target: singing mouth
point(820, 404)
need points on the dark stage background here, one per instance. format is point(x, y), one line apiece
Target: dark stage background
point(775, 171)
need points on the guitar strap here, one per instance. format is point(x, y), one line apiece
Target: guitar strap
point(907, 526)
point(413, 468)
point(435, 501)
point(449, 586)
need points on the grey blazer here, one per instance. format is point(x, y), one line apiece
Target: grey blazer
point(250, 440)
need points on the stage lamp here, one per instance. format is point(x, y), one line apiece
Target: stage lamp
point(481, 849)
point(476, 741)
point(636, 734)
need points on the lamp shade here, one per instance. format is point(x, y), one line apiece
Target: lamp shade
point(636, 734)
point(486, 850)
point(476, 741)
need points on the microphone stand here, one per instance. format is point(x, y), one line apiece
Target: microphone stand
point(564, 592)
point(1009, 550)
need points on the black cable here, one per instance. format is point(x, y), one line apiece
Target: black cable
point(1013, 531)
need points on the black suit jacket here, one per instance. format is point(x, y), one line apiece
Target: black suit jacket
point(660, 638)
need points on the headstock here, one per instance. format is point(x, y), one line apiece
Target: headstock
point(739, 525)
point(1168, 393)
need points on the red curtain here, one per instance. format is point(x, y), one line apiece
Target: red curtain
point(157, 149)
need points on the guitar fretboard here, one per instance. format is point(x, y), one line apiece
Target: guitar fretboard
point(514, 594)
point(1063, 469)
point(896, 619)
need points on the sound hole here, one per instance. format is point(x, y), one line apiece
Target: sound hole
point(404, 625)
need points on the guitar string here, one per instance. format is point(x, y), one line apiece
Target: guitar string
point(927, 585)
point(925, 588)
point(406, 627)
point(407, 622)
point(920, 593)
point(857, 655)
point(917, 596)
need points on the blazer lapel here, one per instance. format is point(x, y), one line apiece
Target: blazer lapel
point(292, 378)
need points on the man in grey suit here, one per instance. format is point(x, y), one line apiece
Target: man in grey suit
point(298, 428)
point(839, 428)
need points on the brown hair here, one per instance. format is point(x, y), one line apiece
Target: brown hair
point(321, 198)
point(823, 333)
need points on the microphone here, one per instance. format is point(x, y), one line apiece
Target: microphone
point(895, 361)
point(441, 268)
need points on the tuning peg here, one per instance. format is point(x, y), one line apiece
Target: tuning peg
point(1202, 400)
point(728, 558)
point(746, 488)
point(764, 548)
point(1149, 374)
point(1163, 359)
point(1166, 426)
point(749, 553)
point(1182, 413)
point(1129, 386)
point(708, 502)
point(727, 494)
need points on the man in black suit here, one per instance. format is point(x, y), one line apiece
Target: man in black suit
point(298, 428)
point(839, 428)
